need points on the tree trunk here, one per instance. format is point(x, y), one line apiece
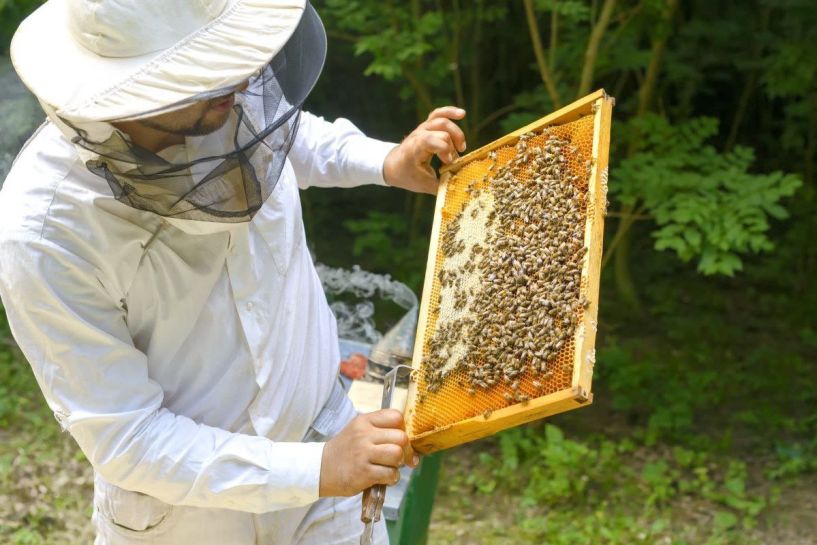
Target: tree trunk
point(418, 214)
point(625, 285)
point(593, 44)
point(621, 257)
point(539, 53)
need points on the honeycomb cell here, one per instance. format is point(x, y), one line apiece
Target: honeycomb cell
point(452, 402)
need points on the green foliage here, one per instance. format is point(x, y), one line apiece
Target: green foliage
point(574, 10)
point(670, 385)
point(705, 203)
point(19, 401)
point(563, 468)
point(790, 73)
point(11, 13)
point(20, 114)
point(795, 458)
point(667, 408)
point(718, 381)
point(26, 536)
point(397, 39)
point(392, 48)
point(374, 238)
point(598, 490)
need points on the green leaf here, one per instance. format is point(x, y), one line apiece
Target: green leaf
point(706, 203)
point(553, 434)
point(725, 520)
point(775, 210)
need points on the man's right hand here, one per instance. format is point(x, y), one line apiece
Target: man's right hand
point(368, 451)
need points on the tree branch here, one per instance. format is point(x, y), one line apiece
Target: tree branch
point(624, 21)
point(628, 213)
point(647, 90)
point(474, 110)
point(647, 86)
point(628, 218)
point(554, 37)
point(539, 52)
point(346, 37)
point(743, 104)
point(455, 62)
point(640, 217)
point(591, 53)
point(493, 116)
point(423, 94)
point(749, 86)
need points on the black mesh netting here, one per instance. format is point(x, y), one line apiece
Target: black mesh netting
point(224, 176)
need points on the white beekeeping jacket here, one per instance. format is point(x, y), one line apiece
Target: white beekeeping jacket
point(186, 366)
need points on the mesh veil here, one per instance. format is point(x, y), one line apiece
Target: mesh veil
point(224, 176)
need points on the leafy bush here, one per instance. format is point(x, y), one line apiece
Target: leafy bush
point(19, 394)
point(574, 490)
point(706, 203)
point(375, 237)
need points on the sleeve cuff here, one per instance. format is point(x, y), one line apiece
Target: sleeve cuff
point(299, 465)
point(370, 154)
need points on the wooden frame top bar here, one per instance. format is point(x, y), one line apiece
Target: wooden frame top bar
point(568, 113)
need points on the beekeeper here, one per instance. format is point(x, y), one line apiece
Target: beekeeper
point(155, 273)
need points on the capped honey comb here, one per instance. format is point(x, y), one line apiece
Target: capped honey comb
point(444, 412)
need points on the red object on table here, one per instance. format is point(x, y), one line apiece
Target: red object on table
point(354, 367)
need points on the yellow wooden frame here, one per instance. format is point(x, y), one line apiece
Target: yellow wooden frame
point(600, 105)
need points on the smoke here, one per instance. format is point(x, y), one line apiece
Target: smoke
point(356, 321)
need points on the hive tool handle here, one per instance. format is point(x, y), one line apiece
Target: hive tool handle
point(374, 496)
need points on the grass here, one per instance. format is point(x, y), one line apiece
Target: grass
point(529, 485)
point(46, 487)
point(696, 437)
point(534, 485)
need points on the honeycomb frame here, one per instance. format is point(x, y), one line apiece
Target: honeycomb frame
point(435, 422)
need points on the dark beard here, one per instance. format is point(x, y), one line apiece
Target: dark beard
point(199, 128)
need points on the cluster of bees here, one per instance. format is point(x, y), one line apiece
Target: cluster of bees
point(510, 301)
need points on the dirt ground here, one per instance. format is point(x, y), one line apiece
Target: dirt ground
point(491, 520)
point(46, 488)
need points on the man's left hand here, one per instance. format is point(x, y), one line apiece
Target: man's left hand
point(409, 165)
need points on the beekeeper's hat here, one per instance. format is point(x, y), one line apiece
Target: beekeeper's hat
point(100, 60)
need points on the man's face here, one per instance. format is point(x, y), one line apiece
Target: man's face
point(197, 119)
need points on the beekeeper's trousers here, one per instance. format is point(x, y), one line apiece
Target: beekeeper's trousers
point(329, 521)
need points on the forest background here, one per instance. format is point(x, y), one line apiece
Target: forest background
point(704, 425)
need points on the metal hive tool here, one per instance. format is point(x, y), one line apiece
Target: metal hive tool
point(445, 410)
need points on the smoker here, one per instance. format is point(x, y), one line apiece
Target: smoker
point(407, 505)
point(395, 348)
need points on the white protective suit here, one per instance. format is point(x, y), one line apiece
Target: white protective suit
point(187, 364)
